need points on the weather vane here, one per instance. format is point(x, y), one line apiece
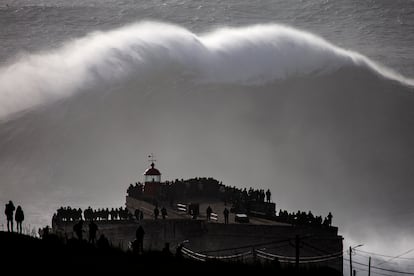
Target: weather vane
point(151, 158)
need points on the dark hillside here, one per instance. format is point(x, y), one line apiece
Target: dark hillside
point(51, 255)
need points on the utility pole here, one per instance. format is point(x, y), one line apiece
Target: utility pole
point(297, 247)
point(369, 266)
point(350, 258)
point(350, 261)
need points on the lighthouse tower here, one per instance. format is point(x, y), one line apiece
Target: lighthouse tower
point(152, 180)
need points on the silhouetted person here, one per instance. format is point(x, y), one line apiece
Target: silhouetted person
point(141, 215)
point(44, 232)
point(268, 195)
point(9, 215)
point(19, 217)
point(93, 228)
point(166, 250)
point(139, 235)
point(226, 216)
point(78, 229)
point(55, 220)
point(208, 212)
point(193, 210)
point(156, 212)
point(137, 214)
point(330, 219)
point(112, 213)
point(102, 242)
point(163, 212)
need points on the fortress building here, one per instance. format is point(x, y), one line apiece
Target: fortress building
point(252, 230)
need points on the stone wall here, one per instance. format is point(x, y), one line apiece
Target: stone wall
point(204, 236)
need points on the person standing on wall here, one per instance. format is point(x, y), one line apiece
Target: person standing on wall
point(226, 216)
point(9, 215)
point(139, 235)
point(208, 212)
point(19, 217)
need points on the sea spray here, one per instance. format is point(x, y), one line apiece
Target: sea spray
point(252, 55)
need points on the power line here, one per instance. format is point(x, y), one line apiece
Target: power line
point(246, 246)
point(204, 257)
point(266, 255)
point(374, 267)
point(384, 269)
point(319, 258)
point(382, 255)
point(365, 256)
point(308, 259)
point(380, 259)
point(396, 257)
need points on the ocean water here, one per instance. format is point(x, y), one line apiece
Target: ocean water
point(381, 30)
point(312, 99)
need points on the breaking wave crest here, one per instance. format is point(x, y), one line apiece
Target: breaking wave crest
point(253, 55)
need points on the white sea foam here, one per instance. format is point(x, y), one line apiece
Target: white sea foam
point(253, 55)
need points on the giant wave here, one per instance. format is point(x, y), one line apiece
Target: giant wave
point(252, 55)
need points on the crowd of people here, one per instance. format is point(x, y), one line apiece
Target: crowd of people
point(238, 198)
point(202, 186)
point(104, 214)
point(73, 214)
point(11, 215)
point(157, 212)
point(301, 218)
point(78, 230)
point(242, 197)
point(136, 190)
point(242, 200)
point(234, 194)
point(181, 189)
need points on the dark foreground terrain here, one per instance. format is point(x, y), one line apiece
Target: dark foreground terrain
point(52, 255)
